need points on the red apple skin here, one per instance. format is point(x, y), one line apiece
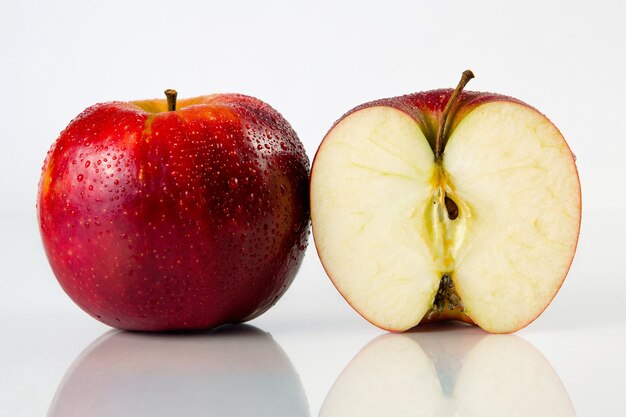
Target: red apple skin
point(426, 108)
point(188, 219)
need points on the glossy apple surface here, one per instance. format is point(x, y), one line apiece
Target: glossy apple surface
point(158, 220)
point(446, 204)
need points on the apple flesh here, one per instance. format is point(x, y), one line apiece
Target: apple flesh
point(188, 215)
point(446, 205)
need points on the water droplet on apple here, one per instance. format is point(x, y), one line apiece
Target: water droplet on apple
point(87, 164)
point(233, 183)
point(80, 177)
point(90, 187)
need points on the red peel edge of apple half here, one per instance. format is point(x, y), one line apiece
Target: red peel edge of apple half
point(161, 215)
point(446, 205)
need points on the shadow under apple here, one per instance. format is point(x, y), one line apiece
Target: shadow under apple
point(448, 370)
point(233, 371)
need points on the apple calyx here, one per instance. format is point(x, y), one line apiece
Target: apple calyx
point(171, 99)
point(442, 130)
point(445, 298)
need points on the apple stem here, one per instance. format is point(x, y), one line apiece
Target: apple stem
point(171, 99)
point(465, 77)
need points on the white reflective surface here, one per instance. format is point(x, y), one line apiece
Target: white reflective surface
point(345, 370)
point(442, 370)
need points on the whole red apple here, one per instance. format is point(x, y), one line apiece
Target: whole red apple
point(157, 215)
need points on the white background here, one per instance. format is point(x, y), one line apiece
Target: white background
point(313, 61)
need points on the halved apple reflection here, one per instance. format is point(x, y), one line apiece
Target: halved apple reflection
point(235, 371)
point(448, 371)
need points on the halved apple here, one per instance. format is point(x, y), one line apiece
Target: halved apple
point(446, 205)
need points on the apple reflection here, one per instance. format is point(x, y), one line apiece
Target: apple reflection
point(235, 371)
point(448, 371)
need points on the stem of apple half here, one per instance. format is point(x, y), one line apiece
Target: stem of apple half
point(171, 99)
point(442, 130)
